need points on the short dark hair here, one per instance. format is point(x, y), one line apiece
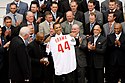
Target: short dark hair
point(55, 24)
point(13, 4)
point(92, 1)
point(54, 2)
point(34, 2)
point(6, 18)
point(114, 15)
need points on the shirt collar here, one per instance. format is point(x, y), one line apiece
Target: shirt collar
point(22, 38)
point(71, 22)
point(58, 35)
point(92, 11)
point(53, 12)
point(118, 35)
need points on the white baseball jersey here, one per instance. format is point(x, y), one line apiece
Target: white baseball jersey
point(63, 53)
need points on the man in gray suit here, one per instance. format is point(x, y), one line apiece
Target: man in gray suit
point(80, 49)
point(67, 25)
point(91, 7)
point(16, 17)
point(45, 26)
point(109, 27)
point(22, 7)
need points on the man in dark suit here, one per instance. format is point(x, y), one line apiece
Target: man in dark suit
point(29, 20)
point(54, 11)
point(83, 5)
point(91, 8)
point(95, 57)
point(78, 15)
point(8, 30)
point(36, 51)
point(19, 60)
point(88, 29)
point(115, 57)
point(44, 5)
point(80, 49)
point(113, 8)
point(105, 5)
point(38, 16)
point(22, 7)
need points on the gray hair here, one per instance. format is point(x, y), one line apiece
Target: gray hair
point(24, 31)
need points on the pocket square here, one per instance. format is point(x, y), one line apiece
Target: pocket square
point(99, 42)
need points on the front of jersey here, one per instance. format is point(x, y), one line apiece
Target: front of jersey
point(63, 53)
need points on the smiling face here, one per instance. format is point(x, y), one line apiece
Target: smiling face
point(97, 30)
point(54, 7)
point(91, 6)
point(117, 28)
point(58, 29)
point(69, 16)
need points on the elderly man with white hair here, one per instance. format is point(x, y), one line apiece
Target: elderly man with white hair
point(19, 60)
point(80, 49)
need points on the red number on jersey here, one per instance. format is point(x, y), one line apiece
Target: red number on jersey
point(66, 46)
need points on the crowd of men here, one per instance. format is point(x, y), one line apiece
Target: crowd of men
point(63, 41)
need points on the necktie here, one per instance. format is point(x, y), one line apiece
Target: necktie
point(70, 25)
point(110, 27)
point(14, 16)
point(91, 26)
point(54, 15)
point(26, 42)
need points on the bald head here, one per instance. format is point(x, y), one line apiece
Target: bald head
point(117, 28)
point(69, 16)
point(39, 37)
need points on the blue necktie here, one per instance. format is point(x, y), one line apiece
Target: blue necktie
point(91, 26)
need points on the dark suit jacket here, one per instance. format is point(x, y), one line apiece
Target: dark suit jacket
point(87, 29)
point(36, 52)
point(80, 16)
point(96, 58)
point(119, 16)
point(83, 6)
point(47, 3)
point(2, 53)
point(80, 52)
point(58, 14)
point(64, 6)
point(19, 60)
point(14, 32)
point(105, 7)
point(115, 53)
point(39, 14)
point(23, 7)
point(35, 25)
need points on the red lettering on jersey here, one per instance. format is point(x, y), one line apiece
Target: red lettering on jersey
point(67, 45)
point(60, 39)
point(60, 48)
